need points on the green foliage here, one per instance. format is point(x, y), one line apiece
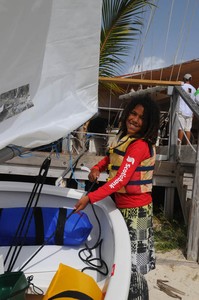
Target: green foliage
point(121, 24)
point(169, 235)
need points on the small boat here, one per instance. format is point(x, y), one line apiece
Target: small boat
point(115, 246)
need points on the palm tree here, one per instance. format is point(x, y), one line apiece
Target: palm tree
point(121, 23)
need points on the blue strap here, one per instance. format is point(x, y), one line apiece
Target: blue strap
point(114, 167)
point(145, 168)
point(140, 168)
point(39, 225)
point(119, 152)
point(59, 233)
point(140, 182)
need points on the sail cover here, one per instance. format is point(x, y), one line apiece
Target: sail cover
point(49, 58)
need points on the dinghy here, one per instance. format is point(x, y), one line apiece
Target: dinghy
point(115, 250)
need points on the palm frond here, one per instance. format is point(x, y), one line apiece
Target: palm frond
point(121, 23)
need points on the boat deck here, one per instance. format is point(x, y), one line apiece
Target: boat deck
point(48, 259)
point(109, 227)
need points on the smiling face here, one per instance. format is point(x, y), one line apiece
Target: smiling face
point(134, 121)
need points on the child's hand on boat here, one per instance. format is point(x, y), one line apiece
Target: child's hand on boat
point(94, 174)
point(81, 204)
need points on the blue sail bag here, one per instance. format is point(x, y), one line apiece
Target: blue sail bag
point(52, 226)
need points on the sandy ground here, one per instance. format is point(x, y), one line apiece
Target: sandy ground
point(181, 274)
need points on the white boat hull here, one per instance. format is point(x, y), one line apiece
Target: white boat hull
point(116, 250)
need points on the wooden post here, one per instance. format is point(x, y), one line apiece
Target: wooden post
point(172, 153)
point(193, 230)
point(173, 128)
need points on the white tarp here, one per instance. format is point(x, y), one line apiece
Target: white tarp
point(51, 47)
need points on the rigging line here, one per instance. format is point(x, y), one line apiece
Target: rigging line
point(141, 58)
point(72, 164)
point(146, 33)
point(142, 66)
point(109, 111)
point(135, 63)
point(140, 46)
point(169, 23)
point(136, 49)
point(26, 218)
point(180, 39)
point(187, 37)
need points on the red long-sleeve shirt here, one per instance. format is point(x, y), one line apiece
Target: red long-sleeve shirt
point(138, 151)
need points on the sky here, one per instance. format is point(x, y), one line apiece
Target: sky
point(170, 38)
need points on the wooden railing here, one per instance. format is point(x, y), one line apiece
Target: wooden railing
point(173, 155)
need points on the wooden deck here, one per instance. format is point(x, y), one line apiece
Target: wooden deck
point(164, 175)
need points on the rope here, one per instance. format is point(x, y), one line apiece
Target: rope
point(97, 263)
point(109, 111)
point(135, 63)
point(168, 29)
point(73, 166)
point(187, 38)
point(33, 287)
point(146, 33)
point(23, 222)
point(134, 56)
point(180, 39)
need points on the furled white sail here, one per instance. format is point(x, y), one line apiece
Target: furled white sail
point(49, 58)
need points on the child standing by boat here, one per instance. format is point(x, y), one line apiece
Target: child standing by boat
point(130, 163)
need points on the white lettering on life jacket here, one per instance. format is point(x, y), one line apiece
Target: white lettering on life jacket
point(121, 177)
point(131, 160)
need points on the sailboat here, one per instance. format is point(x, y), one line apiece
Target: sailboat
point(48, 88)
